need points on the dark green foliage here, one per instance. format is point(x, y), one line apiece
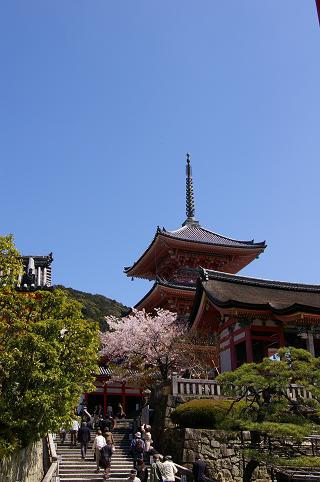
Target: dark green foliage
point(209, 414)
point(96, 307)
point(302, 461)
point(264, 386)
point(48, 357)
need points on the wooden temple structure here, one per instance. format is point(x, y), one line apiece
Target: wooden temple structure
point(195, 275)
point(253, 317)
point(173, 259)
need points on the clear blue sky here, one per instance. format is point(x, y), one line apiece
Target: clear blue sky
point(100, 101)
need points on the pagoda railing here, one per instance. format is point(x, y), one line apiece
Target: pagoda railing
point(195, 386)
point(211, 388)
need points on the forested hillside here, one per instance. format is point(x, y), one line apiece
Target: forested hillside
point(96, 307)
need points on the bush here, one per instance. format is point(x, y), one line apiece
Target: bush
point(210, 414)
point(300, 461)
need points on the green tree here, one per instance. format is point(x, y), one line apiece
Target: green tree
point(271, 411)
point(10, 261)
point(48, 356)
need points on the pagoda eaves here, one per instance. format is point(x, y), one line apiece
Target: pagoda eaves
point(193, 246)
point(170, 296)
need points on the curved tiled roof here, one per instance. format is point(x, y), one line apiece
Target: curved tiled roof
point(196, 233)
point(166, 284)
point(227, 290)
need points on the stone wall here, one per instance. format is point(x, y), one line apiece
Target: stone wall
point(221, 450)
point(24, 466)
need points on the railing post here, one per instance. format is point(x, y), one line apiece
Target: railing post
point(174, 383)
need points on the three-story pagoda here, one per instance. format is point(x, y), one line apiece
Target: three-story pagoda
point(173, 259)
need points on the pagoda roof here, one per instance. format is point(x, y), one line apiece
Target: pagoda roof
point(39, 261)
point(193, 236)
point(159, 285)
point(281, 297)
point(198, 234)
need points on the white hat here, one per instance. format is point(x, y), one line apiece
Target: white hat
point(138, 434)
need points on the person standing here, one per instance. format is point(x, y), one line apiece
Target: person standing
point(169, 469)
point(109, 410)
point(105, 459)
point(146, 434)
point(142, 471)
point(74, 432)
point(84, 438)
point(62, 434)
point(137, 448)
point(133, 476)
point(199, 470)
point(109, 437)
point(120, 413)
point(156, 469)
point(98, 443)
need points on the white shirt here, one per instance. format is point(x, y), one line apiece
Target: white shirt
point(75, 425)
point(169, 470)
point(99, 442)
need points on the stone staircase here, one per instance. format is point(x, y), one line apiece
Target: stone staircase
point(73, 469)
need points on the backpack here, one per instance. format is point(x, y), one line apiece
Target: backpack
point(138, 446)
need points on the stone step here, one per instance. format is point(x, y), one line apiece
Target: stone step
point(92, 477)
point(85, 464)
point(74, 469)
point(91, 468)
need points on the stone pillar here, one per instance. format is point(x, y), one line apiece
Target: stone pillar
point(44, 276)
point(39, 276)
point(174, 383)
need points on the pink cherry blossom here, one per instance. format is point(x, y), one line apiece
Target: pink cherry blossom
point(142, 340)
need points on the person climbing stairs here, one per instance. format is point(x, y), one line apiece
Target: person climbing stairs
point(72, 468)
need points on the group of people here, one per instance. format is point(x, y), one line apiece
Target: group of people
point(141, 449)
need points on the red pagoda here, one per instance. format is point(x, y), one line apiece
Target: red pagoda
point(173, 259)
point(195, 275)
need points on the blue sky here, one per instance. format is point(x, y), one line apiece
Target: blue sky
point(100, 101)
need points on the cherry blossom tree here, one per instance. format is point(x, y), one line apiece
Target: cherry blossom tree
point(145, 343)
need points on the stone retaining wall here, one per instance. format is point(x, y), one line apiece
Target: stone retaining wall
point(26, 465)
point(221, 450)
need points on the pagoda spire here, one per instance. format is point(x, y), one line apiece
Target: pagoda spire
point(190, 210)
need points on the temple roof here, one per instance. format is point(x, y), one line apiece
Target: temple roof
point(226, 290)
point(196, 241)
point(197, 234)
point(192, 237)
point(39, 261)
point(162, 284)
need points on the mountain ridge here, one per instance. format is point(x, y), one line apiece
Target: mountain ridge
point(96, 306)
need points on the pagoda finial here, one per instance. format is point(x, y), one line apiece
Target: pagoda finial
point(190, 211)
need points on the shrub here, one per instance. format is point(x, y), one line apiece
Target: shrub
point(208, 413)
point(300, 461)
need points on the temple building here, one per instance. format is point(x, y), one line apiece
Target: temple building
point(173, 259)
point(253, 317)
point(195, 275)
point(36, 272)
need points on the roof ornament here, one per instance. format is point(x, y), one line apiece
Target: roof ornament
point(190, 210)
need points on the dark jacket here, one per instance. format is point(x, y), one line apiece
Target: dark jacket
point(84, 435)
point(199, 470)
point(143, 474)
point(106, 452)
